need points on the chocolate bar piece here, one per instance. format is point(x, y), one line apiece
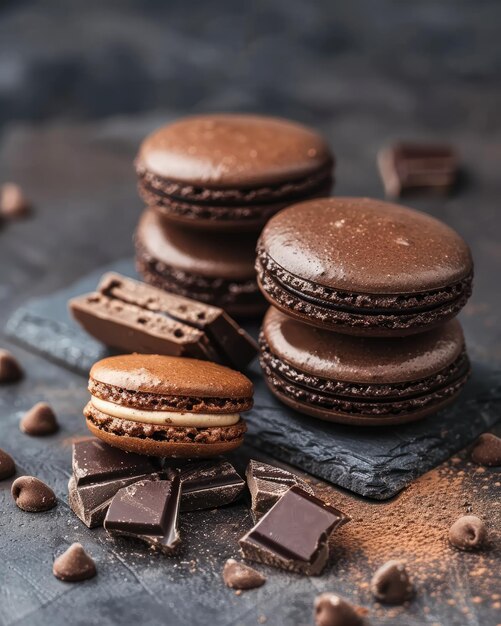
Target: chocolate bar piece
point(99, 471)
point(294, 534)
point(94, 461)
point(90, 502)
point(414, 167)
point(131, 316)
point(267, 484)
point(209, 484)
point(147, 510)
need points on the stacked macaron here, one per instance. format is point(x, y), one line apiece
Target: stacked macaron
point(210, 183)
point(364, 294)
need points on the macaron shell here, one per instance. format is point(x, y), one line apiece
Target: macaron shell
point(211, 254)
point(366, 246)
point(362, 322)
point(151, 447)
point(193, 216)
point(329, 415)
point(173, 376)
point(234, 151)
point(346, 358)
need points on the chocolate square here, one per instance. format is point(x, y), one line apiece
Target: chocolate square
point(147, 510)
point(415, 167)
point(294, 534)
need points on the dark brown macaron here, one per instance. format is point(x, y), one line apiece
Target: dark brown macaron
point(209, 267)
point(362, 380)
point(363, 267)
point(167, 406)
point(231, 171)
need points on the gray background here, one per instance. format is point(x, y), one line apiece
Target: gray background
point(91, 78)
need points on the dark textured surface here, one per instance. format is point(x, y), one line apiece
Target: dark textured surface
point(79, 89)
point(373, 462)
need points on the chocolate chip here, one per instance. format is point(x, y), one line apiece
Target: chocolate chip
point(10, 370)
point(487, 450)
point(13, 202)
point(31, 494)
point(331, 610)
point(468, 533)
point(239, 576)
point(391, 584)
point(39, 421)
point(7, 465)
point(74, 565)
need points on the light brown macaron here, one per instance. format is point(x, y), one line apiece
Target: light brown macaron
point(167, 406)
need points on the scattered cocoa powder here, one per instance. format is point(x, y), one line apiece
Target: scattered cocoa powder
point(414, 527)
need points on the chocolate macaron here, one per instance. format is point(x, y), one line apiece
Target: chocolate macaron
point(363, 267)
point(209, 267)
point(362, 380)
point(231, 171)
point(167, 406)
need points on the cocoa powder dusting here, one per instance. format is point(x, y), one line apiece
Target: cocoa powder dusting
point(413, 527)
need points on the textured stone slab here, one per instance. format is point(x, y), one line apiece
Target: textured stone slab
point(373, 462)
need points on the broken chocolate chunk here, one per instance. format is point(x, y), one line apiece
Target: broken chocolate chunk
point(99, 471)
point(74, 565)
point(90, 502)
point(294, 534)
point(267, 484)
point(209, 484)
point(415, 167)
point(94, 461)
point(240, 576)
point(147, 510)
point(134, 317)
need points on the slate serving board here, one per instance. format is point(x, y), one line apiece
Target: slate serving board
point(372, 462)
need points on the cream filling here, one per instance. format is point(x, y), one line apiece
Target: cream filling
point(172, 418)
